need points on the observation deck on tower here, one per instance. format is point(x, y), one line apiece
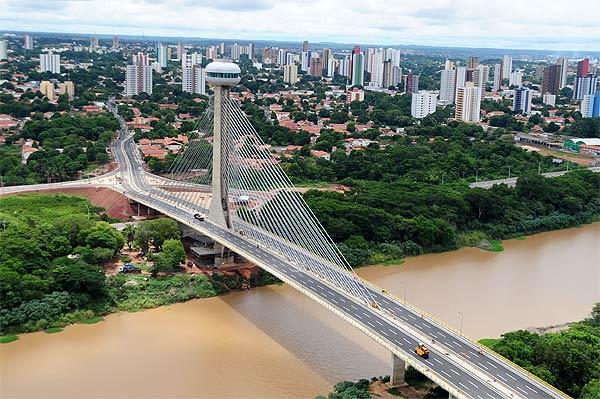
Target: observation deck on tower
point(222, 73)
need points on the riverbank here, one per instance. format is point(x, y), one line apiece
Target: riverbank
point(279, 343)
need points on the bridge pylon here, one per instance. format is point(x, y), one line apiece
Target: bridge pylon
point(221, 75)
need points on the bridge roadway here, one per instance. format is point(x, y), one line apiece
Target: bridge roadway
point(454, 362)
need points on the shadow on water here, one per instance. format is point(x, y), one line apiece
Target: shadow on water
point(319, 339)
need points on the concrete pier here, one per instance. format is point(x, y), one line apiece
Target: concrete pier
point(398, 371)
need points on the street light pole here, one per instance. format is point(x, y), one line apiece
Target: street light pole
point(462, 319)
point(404, 283)
point(88, 211)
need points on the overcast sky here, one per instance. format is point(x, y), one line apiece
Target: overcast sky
point(520, 24)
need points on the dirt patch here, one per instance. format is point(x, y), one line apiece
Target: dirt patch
point(379, 389)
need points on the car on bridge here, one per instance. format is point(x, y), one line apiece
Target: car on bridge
point(422, 351)
point(200, 216)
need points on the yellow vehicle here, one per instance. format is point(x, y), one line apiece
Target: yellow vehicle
point(422, 350)
point(384, 290)
point(374, 305)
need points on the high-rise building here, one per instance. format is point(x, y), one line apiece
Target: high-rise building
point(468, 103)
point(211, 53)
point(479, 76)
point(596, 108)
point(327, 55)
point(461, 79)
point(94, 43)
point(522, 100)
point(411, 83)
point(549, 99)
point(586, 108)
point(290, 73)
point(564, 68)
point(47, 89)
point(67, 88)
point(305, 46)
point(28, 42)
point(515, 78)
point(357, 67)
point(584, 86)
point(345, 67)
point(236, 51)
point(539, 72)
point(449, 65)
point(473, 63)
point(583, 68)
point(162, 56)
point(305, 61)
point(115, 42)
point(3, 50)
point(180, 51)
point(138, 76)
point(448, 85)
point(376, 68)
point(251, 50)
point(497, 77)
point(506, 66)
point(423, 103)
point(50, 62)
point(193, 78)
point(316, 67)
point(387, 74)
point(551, 80)
point(221, 48)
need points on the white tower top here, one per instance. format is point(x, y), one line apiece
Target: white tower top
point(223, 73)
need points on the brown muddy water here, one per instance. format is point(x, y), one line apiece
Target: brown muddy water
point(273, 342)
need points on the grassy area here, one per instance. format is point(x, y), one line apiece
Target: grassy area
point(5, 339)
point(521, 238)
point(53, 330)
point(46, 207)
point(92, 320)
point(496, 246)
point(488, 342)
point(135, 293)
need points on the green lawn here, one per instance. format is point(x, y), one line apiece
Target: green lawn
point(5, 339)
point(43, 207)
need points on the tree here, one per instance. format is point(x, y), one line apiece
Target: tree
point(172, 255)
point(76, 276)
point(129, 233)
point(156, 232)
point(591, 390)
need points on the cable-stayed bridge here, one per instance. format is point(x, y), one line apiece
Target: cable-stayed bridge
point(227, 186)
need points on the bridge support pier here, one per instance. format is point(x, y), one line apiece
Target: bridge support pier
point(223, 256)
point(398, 371)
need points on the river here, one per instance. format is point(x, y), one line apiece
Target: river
point(273, 342)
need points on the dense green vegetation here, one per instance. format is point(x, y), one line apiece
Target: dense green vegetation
point(377, 221)
point(62, 140)
point(52, 258)
point(567, 359)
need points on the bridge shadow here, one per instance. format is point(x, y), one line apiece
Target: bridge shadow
point(319, 339)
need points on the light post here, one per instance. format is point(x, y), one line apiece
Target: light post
point(88, 211)
point(476, 175)
point(462, 319)
point(404, 283)
point(508, 171)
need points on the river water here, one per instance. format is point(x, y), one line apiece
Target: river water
point(273, 342)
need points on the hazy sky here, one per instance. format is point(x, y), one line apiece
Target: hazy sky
point(524, 24)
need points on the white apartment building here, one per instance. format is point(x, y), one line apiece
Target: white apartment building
point(448, 85)
point(3, 50)
point(423, 103)
point(138, 76)
point(50, 62)
point(193, 76)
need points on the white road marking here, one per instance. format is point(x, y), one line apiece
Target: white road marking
point(511, 376)
point(521, 389)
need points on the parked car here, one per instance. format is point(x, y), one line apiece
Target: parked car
point(129, 268)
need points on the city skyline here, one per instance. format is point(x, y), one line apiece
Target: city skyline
point(441, 23)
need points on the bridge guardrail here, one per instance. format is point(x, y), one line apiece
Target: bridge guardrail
point(470, 340)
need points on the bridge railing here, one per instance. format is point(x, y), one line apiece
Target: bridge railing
point(470, 340)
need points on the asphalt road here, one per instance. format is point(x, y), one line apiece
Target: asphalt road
point(454, 361)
